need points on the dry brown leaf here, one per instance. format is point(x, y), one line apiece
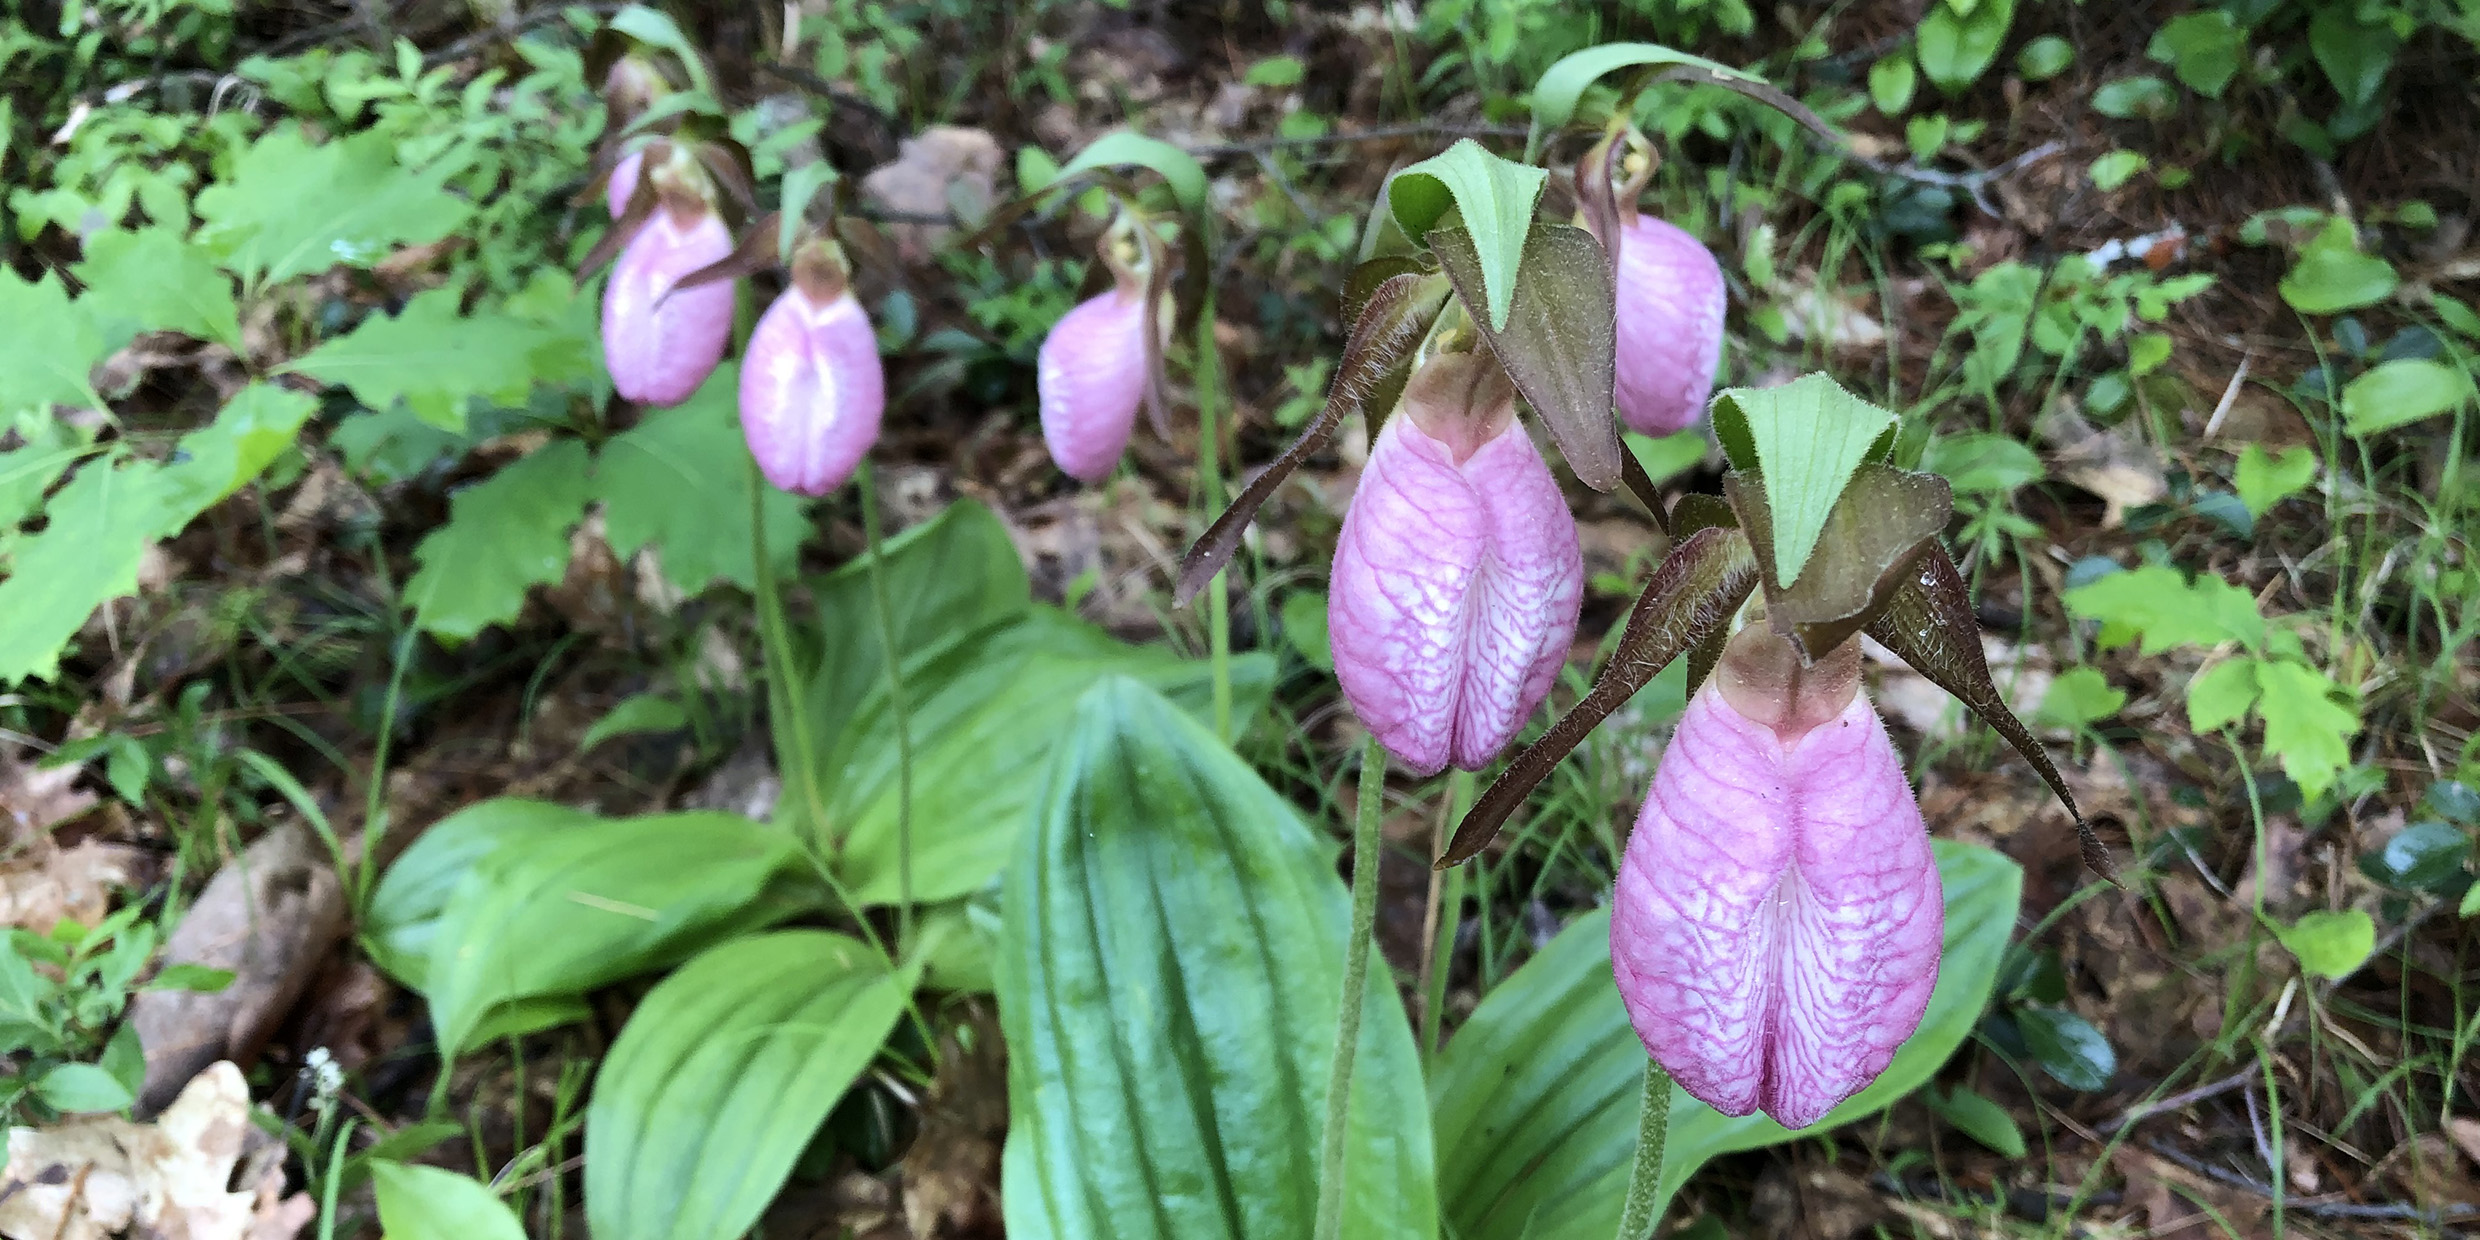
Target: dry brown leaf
point(951, 1173)
point(46, 883)
point(101, 1177)
point(944, 170)
point(269, 917)
point(34, 800)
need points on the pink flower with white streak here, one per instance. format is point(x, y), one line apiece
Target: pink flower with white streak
point(1091, 376)
point(812, 391)
point(1778, 919)
point(1457, 576)
point(660, 348)
point(1671, 303)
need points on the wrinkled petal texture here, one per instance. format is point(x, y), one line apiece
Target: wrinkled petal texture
point(623, 182)
point(812, 392)
point(660, 349)
point(1092, 377)
point(1778, 919)
point(1671, 302)
point(1454, 595)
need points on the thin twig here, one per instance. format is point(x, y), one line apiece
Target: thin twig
point(1975, 183)
point(2147, 1110)
point(2313, 1206)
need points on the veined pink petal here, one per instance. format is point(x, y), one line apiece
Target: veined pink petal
point(1455, 592)
point(812, 391)
point(1091, 378)
point(1671, 302)
point(623, 182)
point(1778, 918)
point(659, 349)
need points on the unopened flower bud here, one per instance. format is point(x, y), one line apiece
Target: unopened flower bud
point(1778, 919)
point(1671, 302)
point(812, 391)
point(1457, 576)
point(1091, 378)
point(660, 348)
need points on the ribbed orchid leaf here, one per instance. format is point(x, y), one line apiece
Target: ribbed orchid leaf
point(1178, 169)
point(1691, 596)
point(1396, 314)
point(1557, 342)
point(1865, 550)
point(1928, 621)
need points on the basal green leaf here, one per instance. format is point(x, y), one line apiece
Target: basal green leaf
point(2079, 698)
point(680, 481)
point(2331, 944)
point(2068, 1047)
point(431, 1203)
point(1494, 199)
point(1808, 436)
point(47, 446)
point(2263, 480)
point(1535, 1099)
point(97, 529)
point(557, 911)
point(985, 717)
point(2168, 611)
point(1557, 341)
point(504, 534)
point(216, 460)
point(2305, 725)
point(2332, 275)
point(1955, 48)
point(81, 1087)
point(290, 207)
point(2205, 49)
point(155, 280)
point(1556, 94)
point(2424, 856)
point(2355, 53)
point(50, 348)
point(435, 359)
point(1173, 957)
point(723, 1074)
point(2400, 392)
point(1975, 1116)
point(1178, 169)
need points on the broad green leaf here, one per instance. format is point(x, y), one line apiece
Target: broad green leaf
point(2220, 695)
point(1982, 463)
point(403, 918)
point(435, 359)
point(2356, 55)
point(2263, 480)
point(1178, 169)
point(2424, 856)
point(290, 207)
point(560, 912)
point(1808, 436)
point(984, 718)
point(2331, 944)
point(98, 527)
point(2204, 48)
point(431, 1203)
point(636, 714)
point(2332, 275)
point(680, 481)
point(248, 434)
point(78, 1087)
point(47, 447)
point(394, 444)
point(2079, 698)
point(1669, 456)
point(2116, 168)
point(2304, 725)
point(1892, 81)
point(2067, 1047)
point(1975, 1116)
point(723, 1074)
point(2044, 58)
point(2400, 392)
point(1168, 985)
point(51, 347)
point(504, 534)
point(155, 280)
point(2169, 611)
point(1492, 197)
point(1555, 95)
point(1556, 342)
point(1535, 1099)
point(1955, 49)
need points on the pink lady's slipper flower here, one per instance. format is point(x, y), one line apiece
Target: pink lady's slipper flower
point(1458, 574)
point(812, 387)
point(659, 348)
point(1092, 378)
point(1671, 303)
point(1778, 919)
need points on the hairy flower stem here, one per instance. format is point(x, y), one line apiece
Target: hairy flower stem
point(1445, 918)
point(798, 760)
point(1645, 1179)
point(886, 617)
point(1355, 988)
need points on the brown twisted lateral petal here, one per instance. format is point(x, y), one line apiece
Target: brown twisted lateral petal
point(1390, 325)
point(641, 207)
point(752, 253)
point(1560, 340)
point(1694, 512)
point(1884, 520)
point(1928, 622)
point(1690, 597)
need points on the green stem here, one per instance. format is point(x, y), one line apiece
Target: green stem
point(1209, 383)
point(1355, 986)
point(896, 703)
point(1441, 957)
point(798, 759)
point(1653, 1128)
